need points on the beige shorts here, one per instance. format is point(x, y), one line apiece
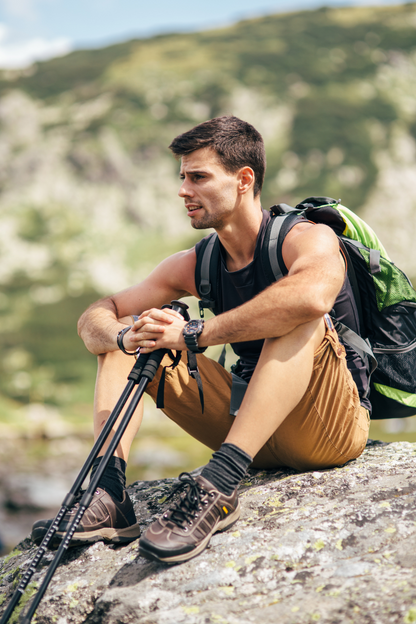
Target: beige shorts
point(327, 428)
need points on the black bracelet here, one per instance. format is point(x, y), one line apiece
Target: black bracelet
point(120, 337)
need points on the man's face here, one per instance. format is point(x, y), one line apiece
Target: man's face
point(210, 192)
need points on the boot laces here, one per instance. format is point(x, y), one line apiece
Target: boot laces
point(186, 509)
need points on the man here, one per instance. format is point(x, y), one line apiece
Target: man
point(301, 408)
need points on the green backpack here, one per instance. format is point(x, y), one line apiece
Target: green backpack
point(384, 296)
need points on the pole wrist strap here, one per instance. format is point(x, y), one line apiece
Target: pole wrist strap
point(120, 337)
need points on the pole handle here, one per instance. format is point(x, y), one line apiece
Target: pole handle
point(179, 306)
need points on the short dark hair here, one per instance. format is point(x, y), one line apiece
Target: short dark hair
point(237, 143)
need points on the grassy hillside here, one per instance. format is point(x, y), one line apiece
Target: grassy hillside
point(88, 188)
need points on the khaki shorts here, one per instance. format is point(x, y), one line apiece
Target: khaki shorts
point(327, 428)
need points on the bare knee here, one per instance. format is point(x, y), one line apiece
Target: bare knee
point(311, 333)
point(115, 363)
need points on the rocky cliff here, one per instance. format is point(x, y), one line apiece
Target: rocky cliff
point(333, 546)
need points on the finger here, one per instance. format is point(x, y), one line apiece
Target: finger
point(145, 320)
point(147, 330)
point(139, 341)
point(174, 313)
point(148, 342)
point(155, 313)
point(134, 339)
point(164, 315)
point(148, 349)
point(153, 320)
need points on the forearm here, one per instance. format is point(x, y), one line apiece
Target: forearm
point(99, 325)
point(274, 312)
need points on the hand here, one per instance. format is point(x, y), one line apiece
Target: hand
point(156, 329)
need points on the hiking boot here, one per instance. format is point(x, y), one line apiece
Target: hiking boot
point(185, 529)
point(104, 519)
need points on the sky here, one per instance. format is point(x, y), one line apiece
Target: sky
point(32, 30)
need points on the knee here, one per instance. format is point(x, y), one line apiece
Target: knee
point(115, 362)
point(312, 333)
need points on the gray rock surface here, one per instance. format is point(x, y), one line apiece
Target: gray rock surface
point(334, 546)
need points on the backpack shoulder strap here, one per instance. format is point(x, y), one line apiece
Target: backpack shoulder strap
point(208, 256)
point(206, 271)
point(375, 254)
point(343, 244)
point(271, 252)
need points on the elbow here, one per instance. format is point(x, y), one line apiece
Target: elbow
point(324, 308)
point(321, 303)
point(317, 310)
point(88, 319)
point(81, 324)
point(82, 329)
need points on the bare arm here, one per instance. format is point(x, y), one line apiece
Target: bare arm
point(316, 275)
point(173, 278)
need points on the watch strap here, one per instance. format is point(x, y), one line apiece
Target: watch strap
point(191, 339)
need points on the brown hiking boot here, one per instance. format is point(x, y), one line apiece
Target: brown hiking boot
point(185, 529)
point(104, 519)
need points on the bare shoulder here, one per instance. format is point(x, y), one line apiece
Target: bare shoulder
point(178, 272)
point(173, 278)
point(310, 241)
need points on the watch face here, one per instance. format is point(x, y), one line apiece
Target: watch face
point(192, 328)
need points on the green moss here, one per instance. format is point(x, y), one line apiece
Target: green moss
point(30, 591)
point(14, 553)
point(17, 576)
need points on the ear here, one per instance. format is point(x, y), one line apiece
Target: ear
point(246, 179)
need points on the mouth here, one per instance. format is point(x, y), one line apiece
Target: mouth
point(191, 208)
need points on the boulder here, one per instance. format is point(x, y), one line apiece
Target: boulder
point(331, 546)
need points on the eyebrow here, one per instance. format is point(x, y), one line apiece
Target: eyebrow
point(193, 171)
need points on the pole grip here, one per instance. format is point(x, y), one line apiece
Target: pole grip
point(181, 307)
point(136, 371)
point(153, 363)
point(155, 358)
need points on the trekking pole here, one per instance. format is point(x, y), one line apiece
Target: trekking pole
point(142, 373)
point(72, 495)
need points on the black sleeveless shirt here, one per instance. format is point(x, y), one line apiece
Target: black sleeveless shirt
point(237, 287)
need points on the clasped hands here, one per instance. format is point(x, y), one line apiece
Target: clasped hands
point(156, 329)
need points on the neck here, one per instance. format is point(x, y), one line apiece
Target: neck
point(239, 237)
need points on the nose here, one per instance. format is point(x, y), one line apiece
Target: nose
point(185, 190)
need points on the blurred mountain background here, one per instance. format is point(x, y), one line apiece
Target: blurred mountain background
point(88, 187)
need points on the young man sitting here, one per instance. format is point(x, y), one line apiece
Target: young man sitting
point(301, 409)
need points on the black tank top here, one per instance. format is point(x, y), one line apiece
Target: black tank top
point(237, 287)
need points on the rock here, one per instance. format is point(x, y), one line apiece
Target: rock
point(332, 546)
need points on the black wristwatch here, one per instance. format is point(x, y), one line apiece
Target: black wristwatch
point(191, 333)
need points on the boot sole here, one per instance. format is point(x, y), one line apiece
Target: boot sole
point(223, 525)
point(106, 534)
